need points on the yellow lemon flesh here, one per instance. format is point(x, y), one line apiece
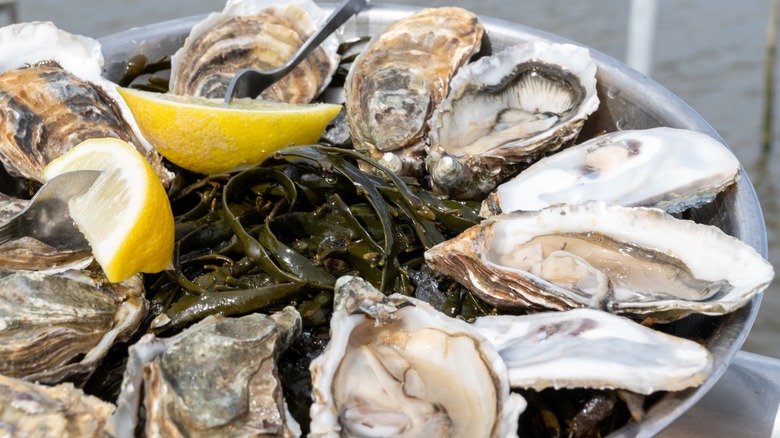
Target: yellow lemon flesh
point(201, 135)
point(125, 216)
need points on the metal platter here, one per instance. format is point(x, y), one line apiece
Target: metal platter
point(629, 100)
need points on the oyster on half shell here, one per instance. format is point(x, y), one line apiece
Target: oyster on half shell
point(52, 97)
point(589, 348)
point(626, 260)
point(263, 34)
point(397, 81)
point(667, 168)
point(503, 111)
point(396, 367)
point(216, 378)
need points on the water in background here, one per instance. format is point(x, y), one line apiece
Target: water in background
point(708, 52)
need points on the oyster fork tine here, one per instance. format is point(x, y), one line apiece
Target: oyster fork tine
point(46, 217)
point(250, 82)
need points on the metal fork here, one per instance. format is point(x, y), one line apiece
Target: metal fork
point(250, 82)
point(46, 217)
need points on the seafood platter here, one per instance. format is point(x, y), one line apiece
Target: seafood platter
point(503, 233)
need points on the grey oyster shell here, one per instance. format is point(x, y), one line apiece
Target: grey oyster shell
point(397, 81)
point(59, 326)
point(63, 411)
point(216, 378)
point(667, 168)
point(505, 110)
point(626, 260)
point(394, 366)
point(262, 34)
point(52, 97)
point(589, 348)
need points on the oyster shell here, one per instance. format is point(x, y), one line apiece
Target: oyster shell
point(396, 367)
point(52, 97)
point(263, 34)
point(626, 260)
point(667, 168)
point(216, 378)
point(60, 326)
point(588, 348)
point(394, 85)
point(505, 110)
point(31, 410)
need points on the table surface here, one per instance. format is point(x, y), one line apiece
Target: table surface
point(744, 403)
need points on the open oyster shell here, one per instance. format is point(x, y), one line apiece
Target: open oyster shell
point(58, 326)
point(396, 367)
point(52, 97)
point(627, 260)
point(262, 34)
point(503, 111)
point(216, 378)
point(667, 168)
point(32, 410)
point(397, 81)
point(588, 348)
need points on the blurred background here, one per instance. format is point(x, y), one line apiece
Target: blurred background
point(711, 53)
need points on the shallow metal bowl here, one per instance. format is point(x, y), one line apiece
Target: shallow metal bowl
point(629, 100)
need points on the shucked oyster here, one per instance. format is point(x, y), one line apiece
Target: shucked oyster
point(627, 260)
point(59, 326)
point(504, 110)
point(588, 348)
point(667, 168)
point(216, 378)
point(263, 34)
point(396, 367)
point(31, 410)
point(52, 97)
point(394, 85)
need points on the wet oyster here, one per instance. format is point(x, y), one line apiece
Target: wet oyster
point(59, 326)
point(394, 85)
point(504, 110)
point(667, 168)
point(216, 378)
point(588, 348)
point(396, 367)
point(263, 34)
point(627, 260)
point(52, 97)
point(31, 410)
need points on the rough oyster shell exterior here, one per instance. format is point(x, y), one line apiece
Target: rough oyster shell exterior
point(216, 378)
point(52, 96)
point(626, 260)
point(397, 81)
point(262, 34)
point(505, 110)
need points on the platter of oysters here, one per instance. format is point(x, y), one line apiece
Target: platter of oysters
point(503, 234)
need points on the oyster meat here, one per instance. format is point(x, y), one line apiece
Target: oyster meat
point(216, 378)
point(55, 327)
point(262, 34)
point(626, 260)
point(396, 367)
point(32, 410)
point(667, 168)
point(503, 111)
point(397, 81)
point(52, 97)
point(589, 348)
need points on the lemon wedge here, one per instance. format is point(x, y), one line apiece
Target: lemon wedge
point(125, 216)
point(201, 135)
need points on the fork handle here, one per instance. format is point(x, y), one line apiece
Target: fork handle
point(339, 16)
